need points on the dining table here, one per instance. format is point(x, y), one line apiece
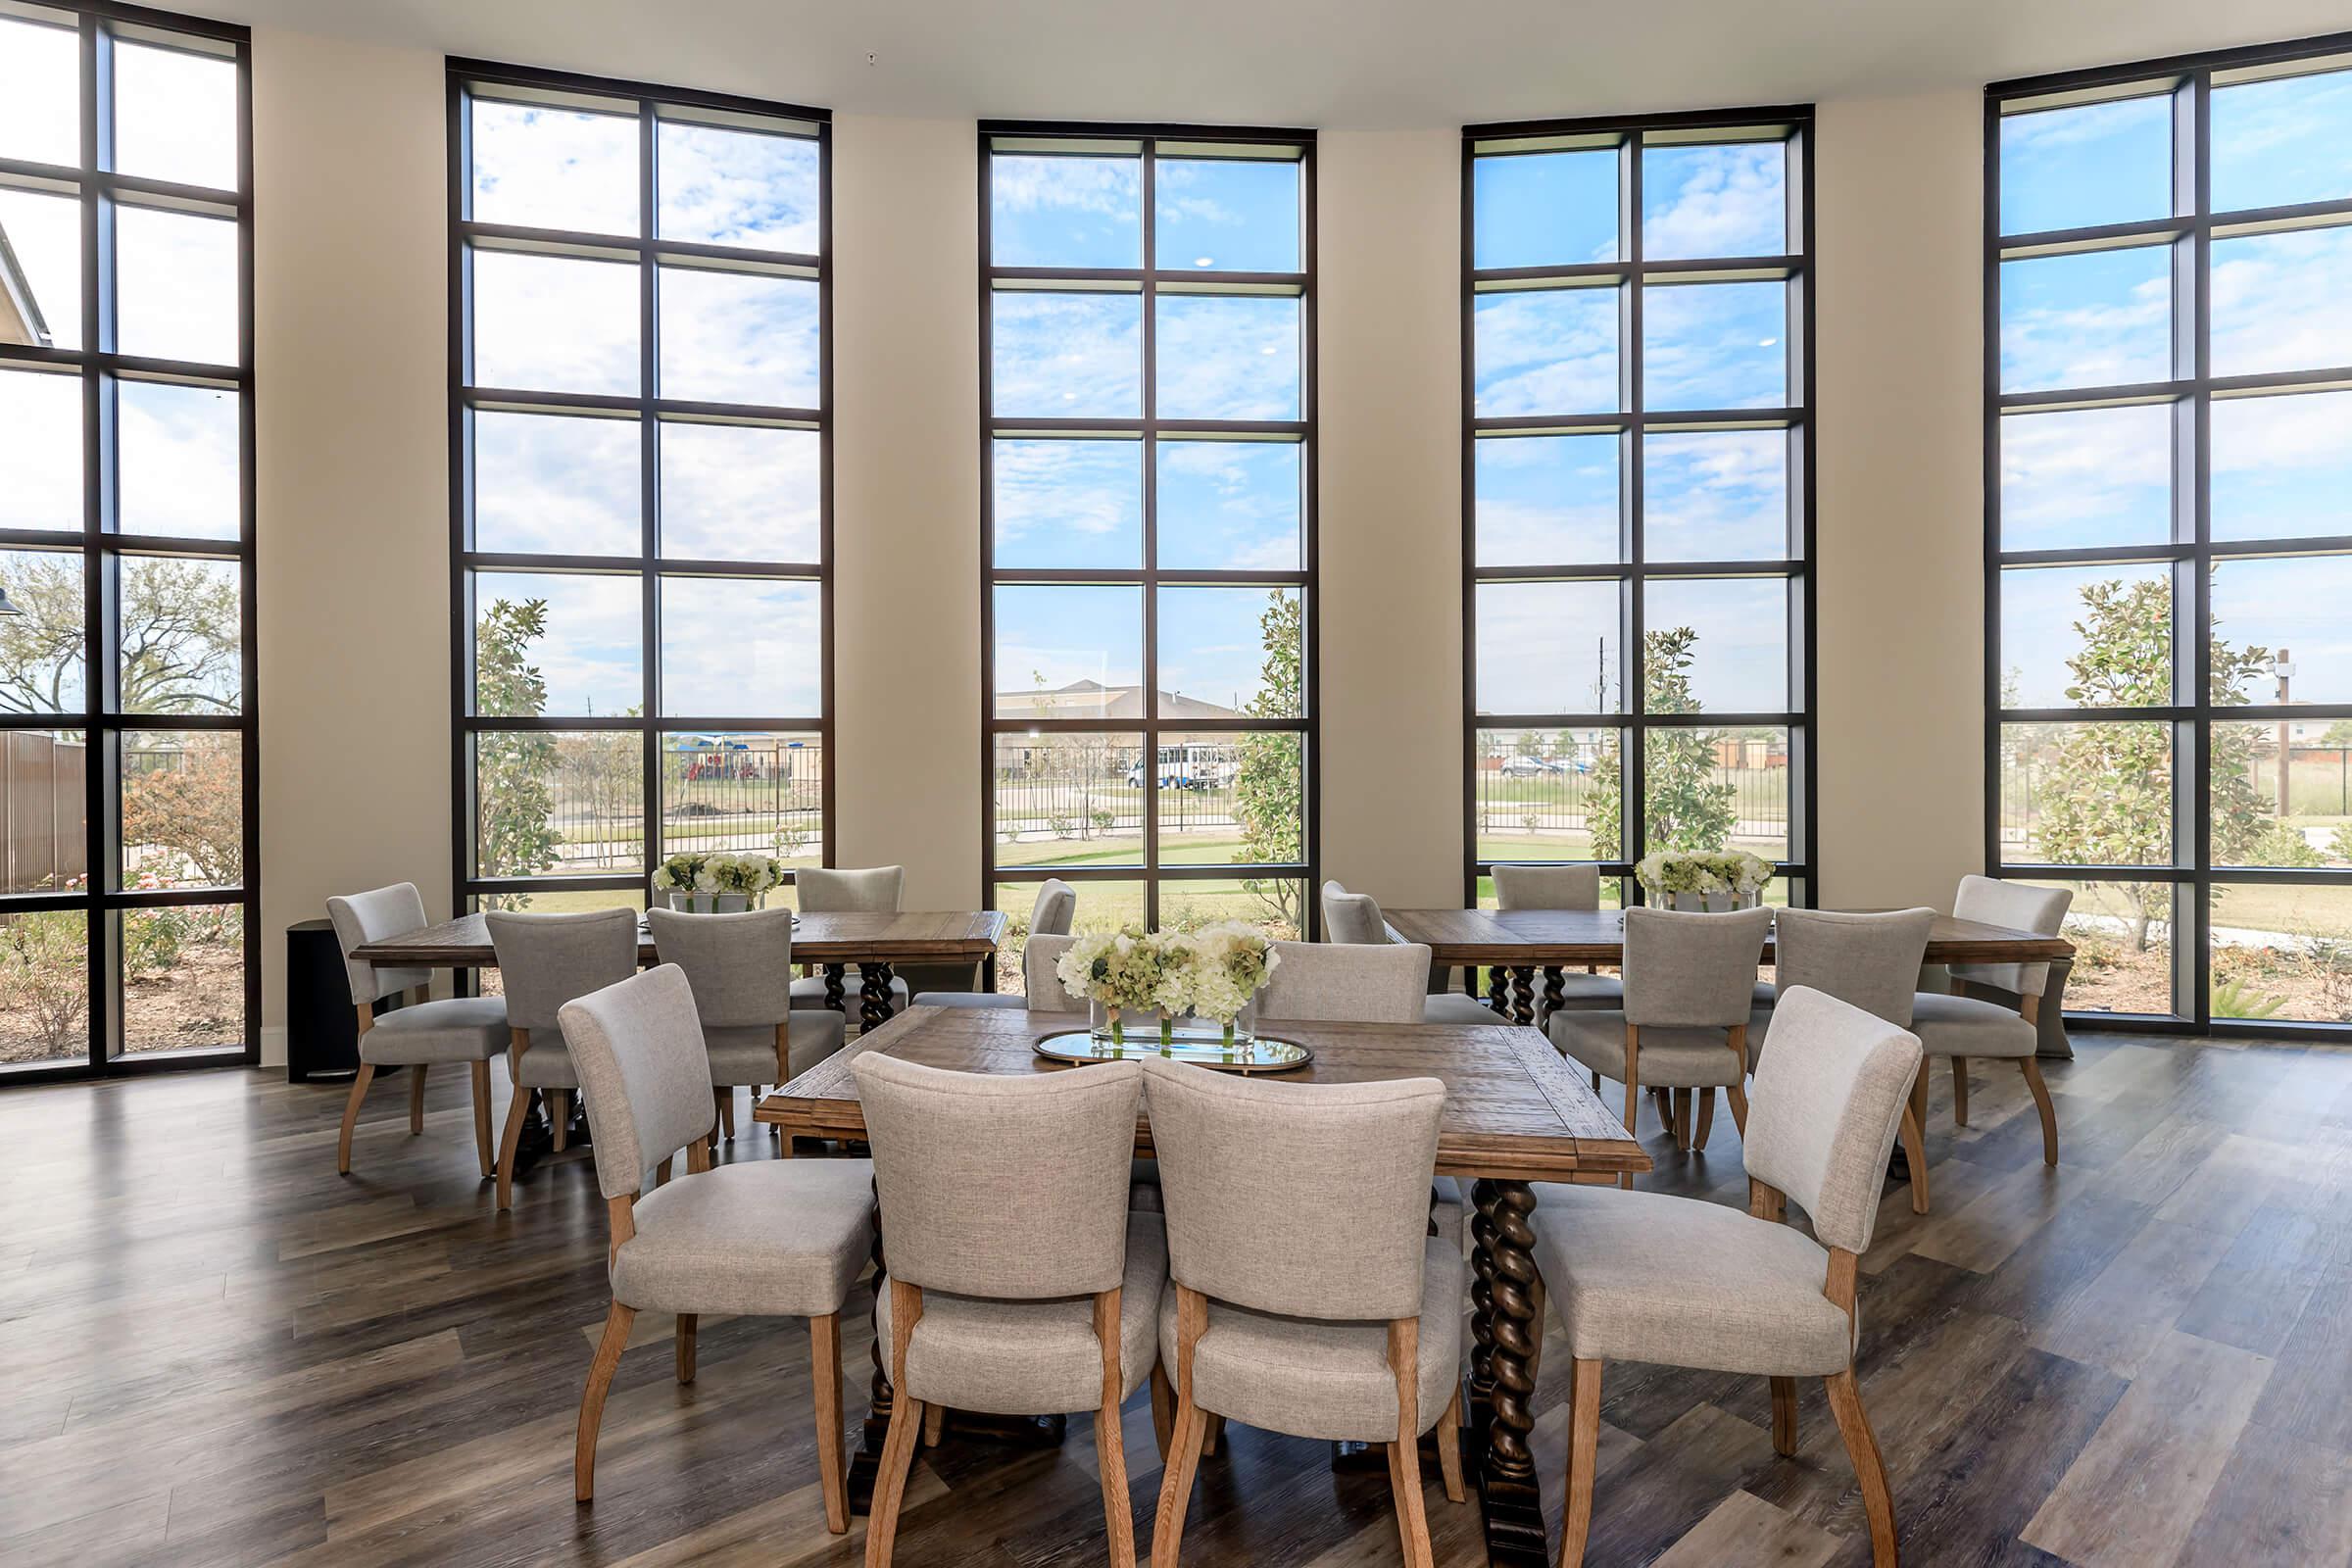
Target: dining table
point(1516, 1114)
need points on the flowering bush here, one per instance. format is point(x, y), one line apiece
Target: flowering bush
point(1697, 871)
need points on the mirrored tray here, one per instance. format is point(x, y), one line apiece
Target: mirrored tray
point(1263, 1054)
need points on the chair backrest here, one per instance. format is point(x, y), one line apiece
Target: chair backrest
point(1822, 1117)
point(1339, 982)
point(1007, 1186)
point(1547, 887)
point(1308, 1200)
point(2022, 906)
point(1692, 971)
point(544, 960)
point(875, 891)
point(1869, 962)
point(638, 1047)
point(1352, 917)
point(373, 916)
point(740, 966)
point(1055, 910)
point(1047, 993)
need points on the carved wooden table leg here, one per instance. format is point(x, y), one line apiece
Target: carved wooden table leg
point(875, 1429)
point(1507, 1333)
point(1556, 993)
point(1498, 989)
point(1523, 996)
point(836, 987)
point(875, 998)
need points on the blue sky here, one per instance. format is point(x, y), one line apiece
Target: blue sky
point(1209, 215)
point(1231, 505)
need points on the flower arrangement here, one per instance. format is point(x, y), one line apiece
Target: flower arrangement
point(706, 882)
point(1691, 879)
point(1232, 963)
point(1214, 974)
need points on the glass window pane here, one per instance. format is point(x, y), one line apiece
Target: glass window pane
point(1716, 495)
point(2086, 793)
point(2122, 937)
point(40, 92)
point(1550, 795)
point(183, 808)
point(742, 646)
point(1548, 499)
point(2302, 821)
point(43, 305)
point(176, 278)
point(2085, 477)
point(1717, 789)
point(1227, 799)
point(183, 978)
point(41, 451)
point(1069, 504)
point(2087, 637)
point(1228, 650)
point(552, 484)
point(41, 667)
point(2287, 611)
point(44, 962)
point(181, 631)
point(1716, 644)
point(556, 643)
point(1068, 355)
point(177, 467)
point(1715, 346)
point(563, 802)
point(1227, 357)
point(739, 337)
point(1231, 505)
point(1548, 646)
point(2282, 142)
point(175, 115)
point(2281, 954)
point(736, 187)
point(539, 167)
point(1069, 652)
point(2098, 318)
point(1546, 351)
point(1226, 215)
point(739, 492)
point(553, 323)
point(1070, 799)
point(2282, 302)
point(1715, 201)
point(1102, 907)
point(1046, 210)
point(2281, 465)
point(1546, 209)
point(751, 793)
point(2108, 163)
point(1276, 905)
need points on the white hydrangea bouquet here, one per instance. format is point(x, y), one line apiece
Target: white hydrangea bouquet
point(1213, 974)
point(1703, 881)
point(1230, 965)
point(716, 884)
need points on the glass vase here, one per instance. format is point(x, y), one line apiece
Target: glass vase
point(1105, 1030)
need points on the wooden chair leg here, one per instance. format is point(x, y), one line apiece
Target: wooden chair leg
point(558, 1116)
point(1784, 1416)
point(824, 1371)
point(1404, 1473)
point(1915, 1153)
point(935, 1424)
point(592, 1398)
point(1738, 1096)
point(1212, 1432)
point(1110, 1446)
point(1706, 1119)
point(897, 1448)
point(519, 1110)
point(1584, 1443)
point(1450, 1448)
point(1633, 1093)
point(417, 1099)
point(483, 1148)
point(1960, 1089)
point(1184, 1445)
point(1681, 1121)
point(1164, 1409)
point(686, 1327)
point(351, 1117)
point(2041, 1103)
point(1845, 1403)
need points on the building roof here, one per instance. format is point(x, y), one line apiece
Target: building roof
point(1088, 698)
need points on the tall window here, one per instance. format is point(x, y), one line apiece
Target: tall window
point(127, 765)
point(2169, 453)
point(1148, 521)
point(640, 482)
point(1637, 506)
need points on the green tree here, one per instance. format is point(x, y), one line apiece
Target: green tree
point(513, 769)
point(1269, 787)
point(181, 640)
point(1687, 806)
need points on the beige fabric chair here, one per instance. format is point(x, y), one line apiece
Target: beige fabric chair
point(1355, 919)
point(1995, 1009)
point(1648, 1277)
point(764, 1239)
point(468, 1030)
point(1051, 916)
point(1560, 887)
point(1332, 1314)
point(740, 966)
point(1020, 1282)
point(545, 960)
point(1340, 983)
point(874, 890)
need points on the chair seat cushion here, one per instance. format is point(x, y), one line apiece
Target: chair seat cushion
point(748, 1055)
point(971, 1352)
point(1449, 1210)
point(770, 1238)
point(1143, 1188)
point(975, 999)
point(1765, 994)
point(1670, 1058)
point(1581, 990)
point(1454, 1008)
point(1314, 1378)
point(547, 1064)
point(810, 990)
point(1967, 1026)
point(1648, 1277)
point(459, 1029)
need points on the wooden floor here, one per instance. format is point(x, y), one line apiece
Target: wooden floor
point(213, 1350)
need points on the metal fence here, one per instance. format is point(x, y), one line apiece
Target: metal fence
point(2318, 784)
point(1542, 786)
point(1077, 788)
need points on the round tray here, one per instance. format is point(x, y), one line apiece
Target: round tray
point(1263, 1054)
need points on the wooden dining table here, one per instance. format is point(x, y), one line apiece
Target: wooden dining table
point(1516, 1113)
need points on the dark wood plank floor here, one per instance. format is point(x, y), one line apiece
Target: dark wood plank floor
point(213, 1350)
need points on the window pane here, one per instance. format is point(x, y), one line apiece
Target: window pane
point(549, 323)
point(2087, 793)
point(1231, 798)
point(41, 451)
point(1228, 650)
point(175, 115)
point(2085, 477)
point(1227, 357)
point(1065, 652)
point(550, 484)
point(2281, 954)
point(2122, 937)
point(1715, 201)
point(1226, 215)
point(2281, 465)
point(182, 640)
point(2291, 611)
point(2099, 318)
point(1546, 209)
point(567, 803)
point(556, 643)
point(41, 655)
point(2282, 302)
point(1717, 789)
point(175, 277)
point(45, 232)
point(2108, 163)
point(1231, 505)
point(1053, 211)
point(1546, 351)
point(1068, 355)
point(1715, 346)
point(183, 808)
point(739, 492)
point(44, 956)
point(1276, 905)
point(736, 187)
point(2277, 143)
point(40, 92)
point(2087, 637)
point(1068, 504)
point(1070, 799)
point(1549, 794)
point(739, 337)
point(1716, 643)
point(756, 793)
point(1102, 907)
point(540, 166)
point(1548, 646)
point(177, 467)
point(741, 645)
point(42, 778)
point(183, 978)
point(2303, 821)
point(1718, 495)
point(1549, 499)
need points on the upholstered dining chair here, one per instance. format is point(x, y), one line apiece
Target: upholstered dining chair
point(1688, 986)
point(1560, 887)
point(1355, 919)
point(1685, 1282)
point(740, 966)
point(545, 960)
point(1051, 917)
point(1020, 1282)
point(760, 1239)
point(1331, 1313)
point(466, 1030)
point(1969, 1024)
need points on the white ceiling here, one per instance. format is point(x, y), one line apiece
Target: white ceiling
point(1340, 64)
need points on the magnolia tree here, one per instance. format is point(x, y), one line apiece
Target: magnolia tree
point(1269, 787)
point(513, 769)
point(1687, 806)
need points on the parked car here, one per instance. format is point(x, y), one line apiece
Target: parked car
point(1529, 767)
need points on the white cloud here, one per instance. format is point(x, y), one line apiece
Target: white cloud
point(1228, 357)
point(553, 323)
point(1545, 647)
point(733, 645)
point(40, 92)
point(1068, 355)
point(41, 451)
point(738, 337)
point(1731, 201)
point(2085, 477)
point(735, 187)
point(554, 169)
point(1547, 351)
point(179, 460)
point(2282, 302)
point(1080, 487)
point(741, 493)
point(175, 115)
